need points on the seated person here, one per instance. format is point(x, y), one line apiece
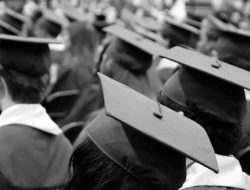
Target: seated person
point(34, 152)
point(137, 144)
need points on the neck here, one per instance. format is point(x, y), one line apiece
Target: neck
point(7, 103)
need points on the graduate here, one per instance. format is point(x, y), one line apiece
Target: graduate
point(49, 25)
point(76, 73)
point(34, 152)
point(128, 58)
point(210, 92)
point(137, 144)
point(226, 42)
point(179, 33)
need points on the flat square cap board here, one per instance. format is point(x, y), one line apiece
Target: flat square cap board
point(25, 55)
point(157, 122)
point(9, 28)
point(13, 18)
point(54, 18)
point(228, 28)
point(75, 15)
point(30, 40)
point(209, 65)
point(182, 25)
point(148, 23)
point(135, 39)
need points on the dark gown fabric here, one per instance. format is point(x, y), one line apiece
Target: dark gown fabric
point(32, 159)
point(77, 74)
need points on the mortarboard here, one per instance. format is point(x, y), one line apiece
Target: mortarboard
point(51, 22)
point(25, 55)
point(74, 15)
point(207, 84)
point(182, 25)
point(137, 40)
point(148, 23)
point(146, 139)
point(179, 32)
point(208, 65)
point(13, 18)
point(231, 43)
point(53, 17)
point(5, 28)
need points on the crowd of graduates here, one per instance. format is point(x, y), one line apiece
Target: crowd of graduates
point(124, 95)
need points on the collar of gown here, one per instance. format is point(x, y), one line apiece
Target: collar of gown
point(32, 115)
point(230, 175)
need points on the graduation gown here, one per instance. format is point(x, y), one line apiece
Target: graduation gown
point(78, 76)
point(230, 176)
point(33, 151)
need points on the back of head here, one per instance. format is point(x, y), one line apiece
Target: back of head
point(93, 170)
point(128, 56)
point(216, 105)
point(233, 49)
point(82, 35)
point(26, 72)
point(178, 36)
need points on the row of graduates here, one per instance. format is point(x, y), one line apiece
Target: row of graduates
point(135, 143)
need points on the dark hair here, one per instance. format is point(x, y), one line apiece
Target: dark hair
point(128, 56)
point(25, 89)
point(223, 136)
point(93, 170)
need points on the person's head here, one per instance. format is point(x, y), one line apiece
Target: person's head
point(132, 145)
point(226, 42)
point(209, 34)
point(216, 105)
point(93, 170)
point(45, 28)
point(127, 56)
point(82, 39)
point(179, 33)
point(24, 73)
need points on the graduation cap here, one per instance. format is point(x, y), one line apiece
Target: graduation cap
point(213, 86)
point(25, 55)
point(14, 19)
point(179, 32)
point(231, 43)
point(148, 23)
point(74, 15)
point(137, 40)
point(5, 28)
point(156, 37)
point(51, 22)
point(146, 139)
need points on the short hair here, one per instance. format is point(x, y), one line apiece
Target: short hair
point(93, 170)
point(23, 88)
point(223, 135)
